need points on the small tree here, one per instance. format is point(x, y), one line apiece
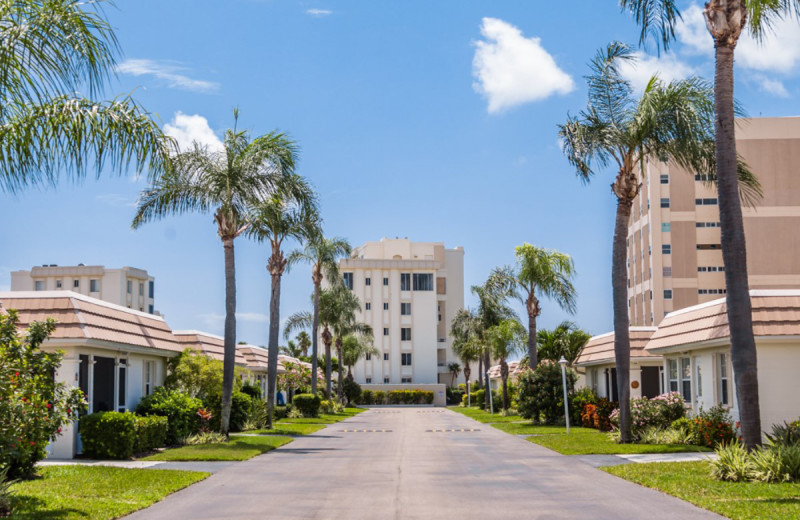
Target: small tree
point(541, 395)
point(33, 406)
point(454, 369)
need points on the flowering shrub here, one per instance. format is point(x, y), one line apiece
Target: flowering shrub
point(712, 428)
point(598, 415)
point(658, 412)
point(33, 407)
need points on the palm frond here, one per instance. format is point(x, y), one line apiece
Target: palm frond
point(656, 18)
point(298, 321)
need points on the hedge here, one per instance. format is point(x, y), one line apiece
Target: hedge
point(120, 435)
point(308, 404)
point(179, 408)
point(396, 397)
point(151, 433)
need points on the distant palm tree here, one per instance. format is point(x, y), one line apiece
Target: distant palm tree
point(454, 369)
point(304, 342)
point(292, 349)
point(323, 254)
point(672, 121)
point(464, 330)
point(506, 339)
point(225, 182)
point(346, 324)
point(565, 340)
point(291, 213)
point(355, 347)
point(50, 52)
point(539, 273)
point(725, 20)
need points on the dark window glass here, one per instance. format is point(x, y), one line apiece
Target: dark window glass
point(405, 281)
point(348, 280)
point(423, 282)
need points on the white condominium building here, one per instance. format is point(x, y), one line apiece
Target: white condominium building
point(129, 287)
point(409, 293)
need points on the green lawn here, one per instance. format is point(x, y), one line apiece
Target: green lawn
point(325, 418)
point(527, 428)
point(595, 442)
point(484, 416)
point(283, 428)
point(690, 481)
point(237, 448)
point(81, 492)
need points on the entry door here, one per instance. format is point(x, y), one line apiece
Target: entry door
point(103, 394)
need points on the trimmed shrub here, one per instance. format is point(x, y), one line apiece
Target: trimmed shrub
point(578, 400)
point(352, 390)
point(151, 433)
point(241, 405)
point(108, 435)
point(281, 412)
point(380, 397)
point(253, 390)
point(541, 394)
point(410, 397)
point(178, 408)
point(454, 395)
point(367, 397)
point(307, 404)
point(326, 406)
point(712, 428)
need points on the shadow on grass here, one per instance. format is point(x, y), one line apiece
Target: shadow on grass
point(30, 508)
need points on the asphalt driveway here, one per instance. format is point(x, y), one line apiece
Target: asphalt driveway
point(416, 463)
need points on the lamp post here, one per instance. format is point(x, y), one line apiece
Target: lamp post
point(563, 363)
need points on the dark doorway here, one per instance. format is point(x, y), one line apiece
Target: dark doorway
point(650, 382)
point(103, 395)
point(614, 389)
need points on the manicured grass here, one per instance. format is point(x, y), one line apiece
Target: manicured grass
point(324, 418)
point(595, 442)
point(282, 428)
point(484, 416)
point(690, 481)
point(81, 492)
point(237, 448)
point(527, 428)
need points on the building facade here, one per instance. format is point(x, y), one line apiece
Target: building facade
point(674, 252)
point(128, 286)
point(409, 294)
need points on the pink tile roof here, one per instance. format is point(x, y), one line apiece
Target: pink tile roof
point(513, 370)
point(600, 349)
point(211, 345)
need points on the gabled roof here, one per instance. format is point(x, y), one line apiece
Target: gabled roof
point(257, 358)
point(600, 349)
point(775, 313)
point(513, 370)
point(211, 345)
point(80, 317)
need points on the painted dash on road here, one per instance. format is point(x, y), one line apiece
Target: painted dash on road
point(453, 430)
point(366, 431)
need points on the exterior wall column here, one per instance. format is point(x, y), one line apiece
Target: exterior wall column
point(65, 445)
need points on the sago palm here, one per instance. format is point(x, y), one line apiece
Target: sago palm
point(725, 21)
point(52, 50)
point(506, 339)
point(224, 182)
point(565, 340)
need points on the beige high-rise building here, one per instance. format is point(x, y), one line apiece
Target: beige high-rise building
point(128, 286)
point(409, 293)
point(674, 254)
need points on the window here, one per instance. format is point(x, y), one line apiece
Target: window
point(151, 289)
point(705, 202)
point(405, 334)
point(141, 289)
point(386, 331)
point(665, 202)
point(667, 294)
point(405, 360)
point(150, 309)
point(723, 379)
point(369, 380)
point(122, 370)
point(405, 309)
point(666, 249)
point(149, 367)
point(423, 282)
point(38, 285)
point(673, 374)
point(59, 284)
point(707, 224)
point(76, 284)
point(348, 280)
point(368, 357)
point(368, 281)
point(664, 178)
point(698, 374)
point(385, 282)
point(386, 356)
point(686, 379)
point(386, 306)
point(666, 227)
point(703, 177)
point(368, 306)
point(385, 380)
point(405, 281)
point(94, 285)
point(707, 247)
point(405, 380)
point(130, 287)
point(666, 271)
point(649, 250)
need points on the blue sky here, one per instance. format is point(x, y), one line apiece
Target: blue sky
point(434, 121)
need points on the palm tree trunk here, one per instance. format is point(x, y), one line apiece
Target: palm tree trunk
point(734, 255)
point(622, 344)
point(326, 339)
point(340, 388)
point(275, 267)
point(229, 356)
point(487, 396)
point(314, 341)
point(533, 355)
point(480, 370)
point(467, 373)
point(504, 376)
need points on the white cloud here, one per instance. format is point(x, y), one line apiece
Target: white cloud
point(692, 31)
point(668, 67)
point(319, 13)
point(511, 70)
point(186, 129)
point(167, 72)
point(772, 86)
point(115, 199)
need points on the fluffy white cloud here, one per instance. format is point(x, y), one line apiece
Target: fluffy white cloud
point(772, 86)
point(510, 69)
point(319, 13)
point(167, 72)
point(692, 31)
point(186, 129)
point(668, 67)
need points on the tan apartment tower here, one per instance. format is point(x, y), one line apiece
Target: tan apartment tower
point(674, 253)
point(128, 286)
point(409, 293)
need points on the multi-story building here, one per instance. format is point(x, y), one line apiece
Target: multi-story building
point(674, 253)
point(409, 293)
point(128, 286)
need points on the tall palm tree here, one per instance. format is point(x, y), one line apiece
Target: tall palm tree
point(290, 213)
point(506, 339)
point(463, 330)
point(670, 121)
point(50, 51)
point(304, 342)
point(323, 254)
point(346, 324)
point(454, 369)
point(565, 340)
point(725, 20)
point(355, 347)
point(226, 183)
point(291, 349)
point(539, 273)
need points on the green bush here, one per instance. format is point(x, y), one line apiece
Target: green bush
point(541, 392)
point(151, 433)
point(578, 400)
point(712, 428)
point(733, 463)
point(251, 389)
point(477, 397)
point(380, 397)
point(241, 405)
point(281, 412)
point(786, 434)
point(326, 406)
point(659, 412)
point(352, 390)
point(178, 408)
point(367, 397)
point(307, 404)
point(455, 395)
point(410, 397)
point(5, 493)
point(108, 435)
point(773, 463)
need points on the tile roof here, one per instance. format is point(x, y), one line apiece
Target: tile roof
point(775, 313)
point(513, 370)
point(80, 317)
point(209, 344)
point(600, 349)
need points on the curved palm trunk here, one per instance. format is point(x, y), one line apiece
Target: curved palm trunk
point(229, 356)
point(734, 255)
point(275, 267)
point(326, 339)
point(314, 341)
point(532, 306)
point(339, 373)
point(504, 377)
point(487, 395)
point(619, 282)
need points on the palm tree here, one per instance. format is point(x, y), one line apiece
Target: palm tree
point(291, 213)
point(323, 254)
point(725, 20)
point(345, 324)
point(51, 51)
point(304, 342)
point(355, 347)
point(454, 369)
point(565, 340)
point(672, 121)
point(463, 329)
point(291, 349)
point(539, 272)
point(224, 182)
point(506, 339)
